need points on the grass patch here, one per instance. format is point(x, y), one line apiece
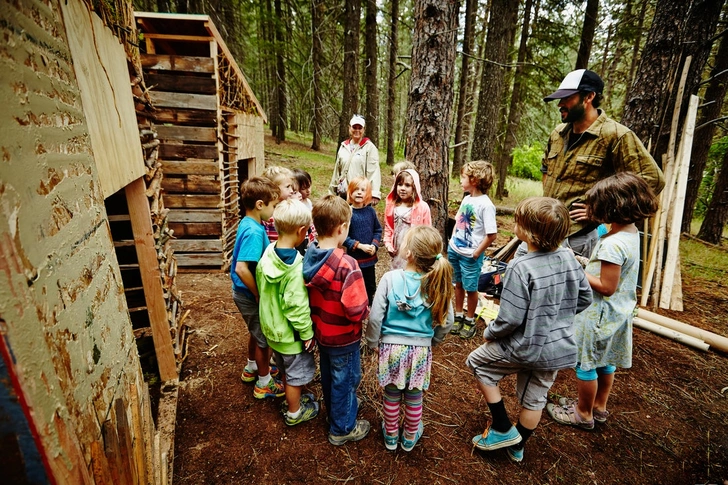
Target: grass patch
point(703, 262)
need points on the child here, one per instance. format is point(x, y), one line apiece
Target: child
point(338, 306)
point(285, 316)
point(259, 196)
point(303, 179)
point(404, 208)
point(475, 229)
point(532, 336)
point(412, 311)
point(604, 331)
point(365, 232)
point(283, 178)
point(403, 165)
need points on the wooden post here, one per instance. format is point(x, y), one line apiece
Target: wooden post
point(141, 224)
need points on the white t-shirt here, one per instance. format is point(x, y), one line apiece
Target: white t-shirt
point(474, 220)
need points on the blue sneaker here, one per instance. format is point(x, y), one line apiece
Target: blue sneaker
point(390, 442)
point(493, 440)
point(515, 454)
point(407, 445)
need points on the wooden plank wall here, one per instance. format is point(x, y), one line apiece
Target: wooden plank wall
point(183, 91)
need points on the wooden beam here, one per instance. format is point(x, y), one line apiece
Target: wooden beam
point(206, 259)
point(183, 100)
point(185, 185)
point(169, 151)
point(194, 216)
point(125, 440)
point(196, 245)
point(186, 133)
point(178, 37)
point(183, 229)
point(191, 116)
point(162, 62)
point(190, 167)
point(179, 83)
point(192, 201)
point(141, 223)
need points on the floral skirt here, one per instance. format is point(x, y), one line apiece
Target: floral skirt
point(404, 366)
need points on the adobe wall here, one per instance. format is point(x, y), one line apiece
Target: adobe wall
point(62, 309)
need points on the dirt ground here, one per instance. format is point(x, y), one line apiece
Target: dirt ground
point(669, 421)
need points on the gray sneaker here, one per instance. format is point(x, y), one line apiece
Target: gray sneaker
point(309, 410)
point(361, 429)
point(457, 325)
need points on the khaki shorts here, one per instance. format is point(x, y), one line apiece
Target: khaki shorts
point(298, 368)
point(490, 365)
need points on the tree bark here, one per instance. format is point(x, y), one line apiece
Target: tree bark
point(430, 101)
point(280, 119)
point(503, 16)
point(587, 34)
point(471, 11)
point(350, 102)
point(371, 112)
point(391, 92)
point(317, 54)
point(711, 230)
point(516, 106)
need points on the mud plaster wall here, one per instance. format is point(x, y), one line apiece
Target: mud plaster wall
point(251, 141)
point(62, 308)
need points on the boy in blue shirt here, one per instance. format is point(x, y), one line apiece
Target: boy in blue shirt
point(259, 196)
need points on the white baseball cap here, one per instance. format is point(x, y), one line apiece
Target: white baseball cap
point(577, 81)
point(357, 120)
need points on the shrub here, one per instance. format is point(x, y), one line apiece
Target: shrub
point(527, 161)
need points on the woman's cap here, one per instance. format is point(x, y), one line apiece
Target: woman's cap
point(357, 120)
point(575, 82)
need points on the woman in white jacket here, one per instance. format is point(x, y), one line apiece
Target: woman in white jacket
point(357, 156)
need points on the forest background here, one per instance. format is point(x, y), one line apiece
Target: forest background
point(443, 82)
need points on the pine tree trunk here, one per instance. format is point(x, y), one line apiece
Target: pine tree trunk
point(516, 107)
point(471, 11)
point(711, 230)
point(503, 17)
point(391, 92)
point(587, 34)
point(350, 102)
point(430, 101)
point(317, 54)
point(371, 112)
point(280, 120)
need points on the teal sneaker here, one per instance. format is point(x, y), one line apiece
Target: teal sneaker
point(515, 454)
point(390, 441)
point(493, 440)
point(407, 445)
point(309, 410)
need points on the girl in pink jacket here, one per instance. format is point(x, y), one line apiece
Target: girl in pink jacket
point(404, 209)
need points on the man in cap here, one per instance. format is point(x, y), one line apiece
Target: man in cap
point(357, 156)
point(589, 146)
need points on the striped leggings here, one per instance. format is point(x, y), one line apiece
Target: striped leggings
point(412, 409)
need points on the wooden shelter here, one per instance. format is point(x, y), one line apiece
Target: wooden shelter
point(210, 130)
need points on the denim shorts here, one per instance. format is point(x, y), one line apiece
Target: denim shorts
point(489, 364)
point(249, 310)
point(298, 368)
point(465, 269)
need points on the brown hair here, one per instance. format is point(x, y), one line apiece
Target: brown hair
point(329, 212)
point(544, 220)
point(258, 188)
point(623, 198)
point(480, 174)
point(423, 246)
point(353, 184)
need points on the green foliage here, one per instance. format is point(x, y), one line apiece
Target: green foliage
point(716, 155)
point(527, 161)
point(702, 262)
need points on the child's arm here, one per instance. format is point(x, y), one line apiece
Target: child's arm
point(608, 280)
point(388, 233)
point(377, 231)
point(242, 269)
point(354, 297)
point(442, 330)
point(378, 313)
point(485, 244)
point(514, 306)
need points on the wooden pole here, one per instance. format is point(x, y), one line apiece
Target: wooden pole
point(683, 338)
point(712, 339)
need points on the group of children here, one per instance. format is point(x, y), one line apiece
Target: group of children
point(553, 313)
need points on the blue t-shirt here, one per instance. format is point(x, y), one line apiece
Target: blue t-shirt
point(250, 242)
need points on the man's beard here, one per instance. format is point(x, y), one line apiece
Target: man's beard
point(575, 114)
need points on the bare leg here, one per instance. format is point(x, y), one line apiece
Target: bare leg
point(262, 357)
point(459, 297)
point(530, 418)
point(252, 345)
point(587, 391)
point(492, 394)
point(472, 303)
point(293, 398)
point(604, 383)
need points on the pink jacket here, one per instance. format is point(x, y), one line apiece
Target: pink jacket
point(420, 211)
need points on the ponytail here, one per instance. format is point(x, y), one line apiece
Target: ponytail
point(437, 288)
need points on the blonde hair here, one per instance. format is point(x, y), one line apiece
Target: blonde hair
point(354, 183)
point(289, 215)
point(423, 246)
point(329, 212)
point(277, 174)
point(544, 220)
point(399, 166)
point(480, 174)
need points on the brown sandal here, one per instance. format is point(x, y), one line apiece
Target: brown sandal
point(569, 416)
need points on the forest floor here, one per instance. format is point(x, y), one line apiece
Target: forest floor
point(668, 422)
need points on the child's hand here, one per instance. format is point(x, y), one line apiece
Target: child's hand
point(309, 345)
point(578, 212)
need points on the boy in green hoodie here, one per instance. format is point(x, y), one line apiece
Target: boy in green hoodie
point(285, 315)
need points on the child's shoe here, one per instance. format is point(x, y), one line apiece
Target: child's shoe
point(599, 416)
point(274, 388)
point(569, 416)
point(309, 410)
point(493, 440)
point(361, 429)
point(390, 442)
point(468, 329)
point(515, 454)
point(407, 445)
point(457, 325)
point(250, 375)
point(308, 397)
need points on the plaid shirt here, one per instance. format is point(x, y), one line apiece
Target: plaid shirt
point(604, 149)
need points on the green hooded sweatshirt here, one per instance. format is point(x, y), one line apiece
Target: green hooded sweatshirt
point(285, 315)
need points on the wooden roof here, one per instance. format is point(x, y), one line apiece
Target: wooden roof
point(189, 35)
